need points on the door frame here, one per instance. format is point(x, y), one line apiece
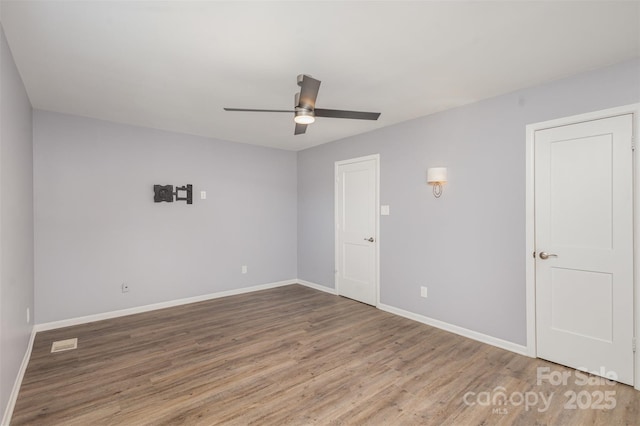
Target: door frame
point(376, 158)
point(530, 221)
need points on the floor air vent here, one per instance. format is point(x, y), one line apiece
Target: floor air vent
point(64, 345)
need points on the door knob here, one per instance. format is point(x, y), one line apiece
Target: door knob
point(370, 239)
point(544, 255)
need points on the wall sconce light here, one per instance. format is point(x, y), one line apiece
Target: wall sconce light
point(436, 176)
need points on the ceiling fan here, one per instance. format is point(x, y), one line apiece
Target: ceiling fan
point(305, 111)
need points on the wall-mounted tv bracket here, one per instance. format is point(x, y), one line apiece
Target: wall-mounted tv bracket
point(189, 193)
point(166, 193)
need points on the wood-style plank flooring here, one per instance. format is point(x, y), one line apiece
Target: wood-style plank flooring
point(293, 355)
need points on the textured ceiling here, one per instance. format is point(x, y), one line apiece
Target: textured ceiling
point(174, 65)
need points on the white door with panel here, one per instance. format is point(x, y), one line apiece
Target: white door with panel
point(584, 243)
point(356, 229)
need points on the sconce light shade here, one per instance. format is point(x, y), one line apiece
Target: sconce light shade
point(436, 176)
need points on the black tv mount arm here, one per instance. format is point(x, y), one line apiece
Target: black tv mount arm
point(189, 193)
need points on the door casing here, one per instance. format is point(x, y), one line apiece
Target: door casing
point(376, 158)
point(530, 221)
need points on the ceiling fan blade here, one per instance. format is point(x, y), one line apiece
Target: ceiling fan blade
point(258, 110)
point(308, 92)
point(338, 113)
point(300, 129)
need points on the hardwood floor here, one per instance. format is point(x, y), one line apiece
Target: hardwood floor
point(293, 355)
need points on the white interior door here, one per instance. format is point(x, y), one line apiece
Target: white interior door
point(584, 245)
point(356, 229)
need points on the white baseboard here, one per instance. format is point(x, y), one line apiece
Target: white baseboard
point(13, 397)
point(465, 332)
point(317, 287)
point(480, 337)
point(146, 308)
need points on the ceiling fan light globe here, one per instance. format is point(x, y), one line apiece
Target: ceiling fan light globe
point(303, 117)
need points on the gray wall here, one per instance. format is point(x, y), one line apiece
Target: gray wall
point(96, 225)
point(16, 221)
point(467, 247)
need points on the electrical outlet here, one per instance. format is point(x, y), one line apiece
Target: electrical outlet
point(203, 195)
point(125, 288)
point(244, 269)
point(423, 292)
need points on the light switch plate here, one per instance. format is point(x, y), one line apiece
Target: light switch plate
point(203, 195)
point(384, 210)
